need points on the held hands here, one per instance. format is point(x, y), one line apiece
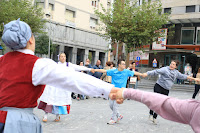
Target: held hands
point(92, 70)
point(95, 70)
point(144, 75)
point(115, 95)
point(119, 97)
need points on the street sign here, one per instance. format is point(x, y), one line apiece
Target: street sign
point(138, 58)
point(154, 62)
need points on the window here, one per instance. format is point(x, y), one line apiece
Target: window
point(94, 3)
point(139, 2)
point(190, 8)
point(51, 7)
point(167, 10)
point(40, 5)
point(70, 15)
point(50, 10)
point(108, 4)
point(93, 23)
point(187, 35)
point(198, 36)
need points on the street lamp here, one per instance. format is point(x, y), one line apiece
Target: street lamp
point(48, 15)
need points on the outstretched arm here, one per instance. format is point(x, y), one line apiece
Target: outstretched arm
point(155, 72)
point(138, 74)
point(184, 76)
point(47, 72)
point(182, 111)
point(80, 68)
point(100, 70)
point(191, 78)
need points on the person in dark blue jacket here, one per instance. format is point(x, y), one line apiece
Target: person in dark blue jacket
point(97, 66)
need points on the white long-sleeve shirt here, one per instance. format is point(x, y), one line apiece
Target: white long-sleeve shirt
point(48, 72)
point(75, 67)
point(57, 96)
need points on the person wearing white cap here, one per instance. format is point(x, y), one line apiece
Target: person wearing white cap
point(23, 77)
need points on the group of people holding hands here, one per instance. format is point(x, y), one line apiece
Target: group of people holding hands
point(168, 76)
point(23, 77)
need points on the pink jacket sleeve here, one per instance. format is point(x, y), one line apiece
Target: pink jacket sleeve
point(182, 111)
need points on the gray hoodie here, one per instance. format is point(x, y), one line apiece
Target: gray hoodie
point(167, 76)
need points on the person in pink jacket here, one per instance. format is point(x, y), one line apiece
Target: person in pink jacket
point(182, 111)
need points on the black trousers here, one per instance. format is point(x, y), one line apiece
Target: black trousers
point(161, 90)
point(197, 87)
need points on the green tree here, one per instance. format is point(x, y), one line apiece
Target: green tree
point(42, 45)
point(3, 46)
point(23, 9)
point(131, 24)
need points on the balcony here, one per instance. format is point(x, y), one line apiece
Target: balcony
point(70, 23)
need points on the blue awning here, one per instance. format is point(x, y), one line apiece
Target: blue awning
point(1, 47)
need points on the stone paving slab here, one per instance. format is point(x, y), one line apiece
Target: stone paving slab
point(91, 116)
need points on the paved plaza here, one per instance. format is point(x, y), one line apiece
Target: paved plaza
point(91, 116)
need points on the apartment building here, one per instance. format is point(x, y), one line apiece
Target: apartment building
point(73, 25)
point(184, 45)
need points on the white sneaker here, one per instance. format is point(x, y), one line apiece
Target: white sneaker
point(151, 118)
point(111, 122)
point(154, 121)
point(44, 119)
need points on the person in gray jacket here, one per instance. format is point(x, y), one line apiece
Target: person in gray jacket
point(168, 75)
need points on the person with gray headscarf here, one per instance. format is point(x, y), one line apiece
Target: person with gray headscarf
point(23, 77)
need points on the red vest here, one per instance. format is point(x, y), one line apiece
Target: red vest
point(16, 88)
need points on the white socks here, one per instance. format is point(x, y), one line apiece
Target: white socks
point(57, 117)
point(45, 115)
